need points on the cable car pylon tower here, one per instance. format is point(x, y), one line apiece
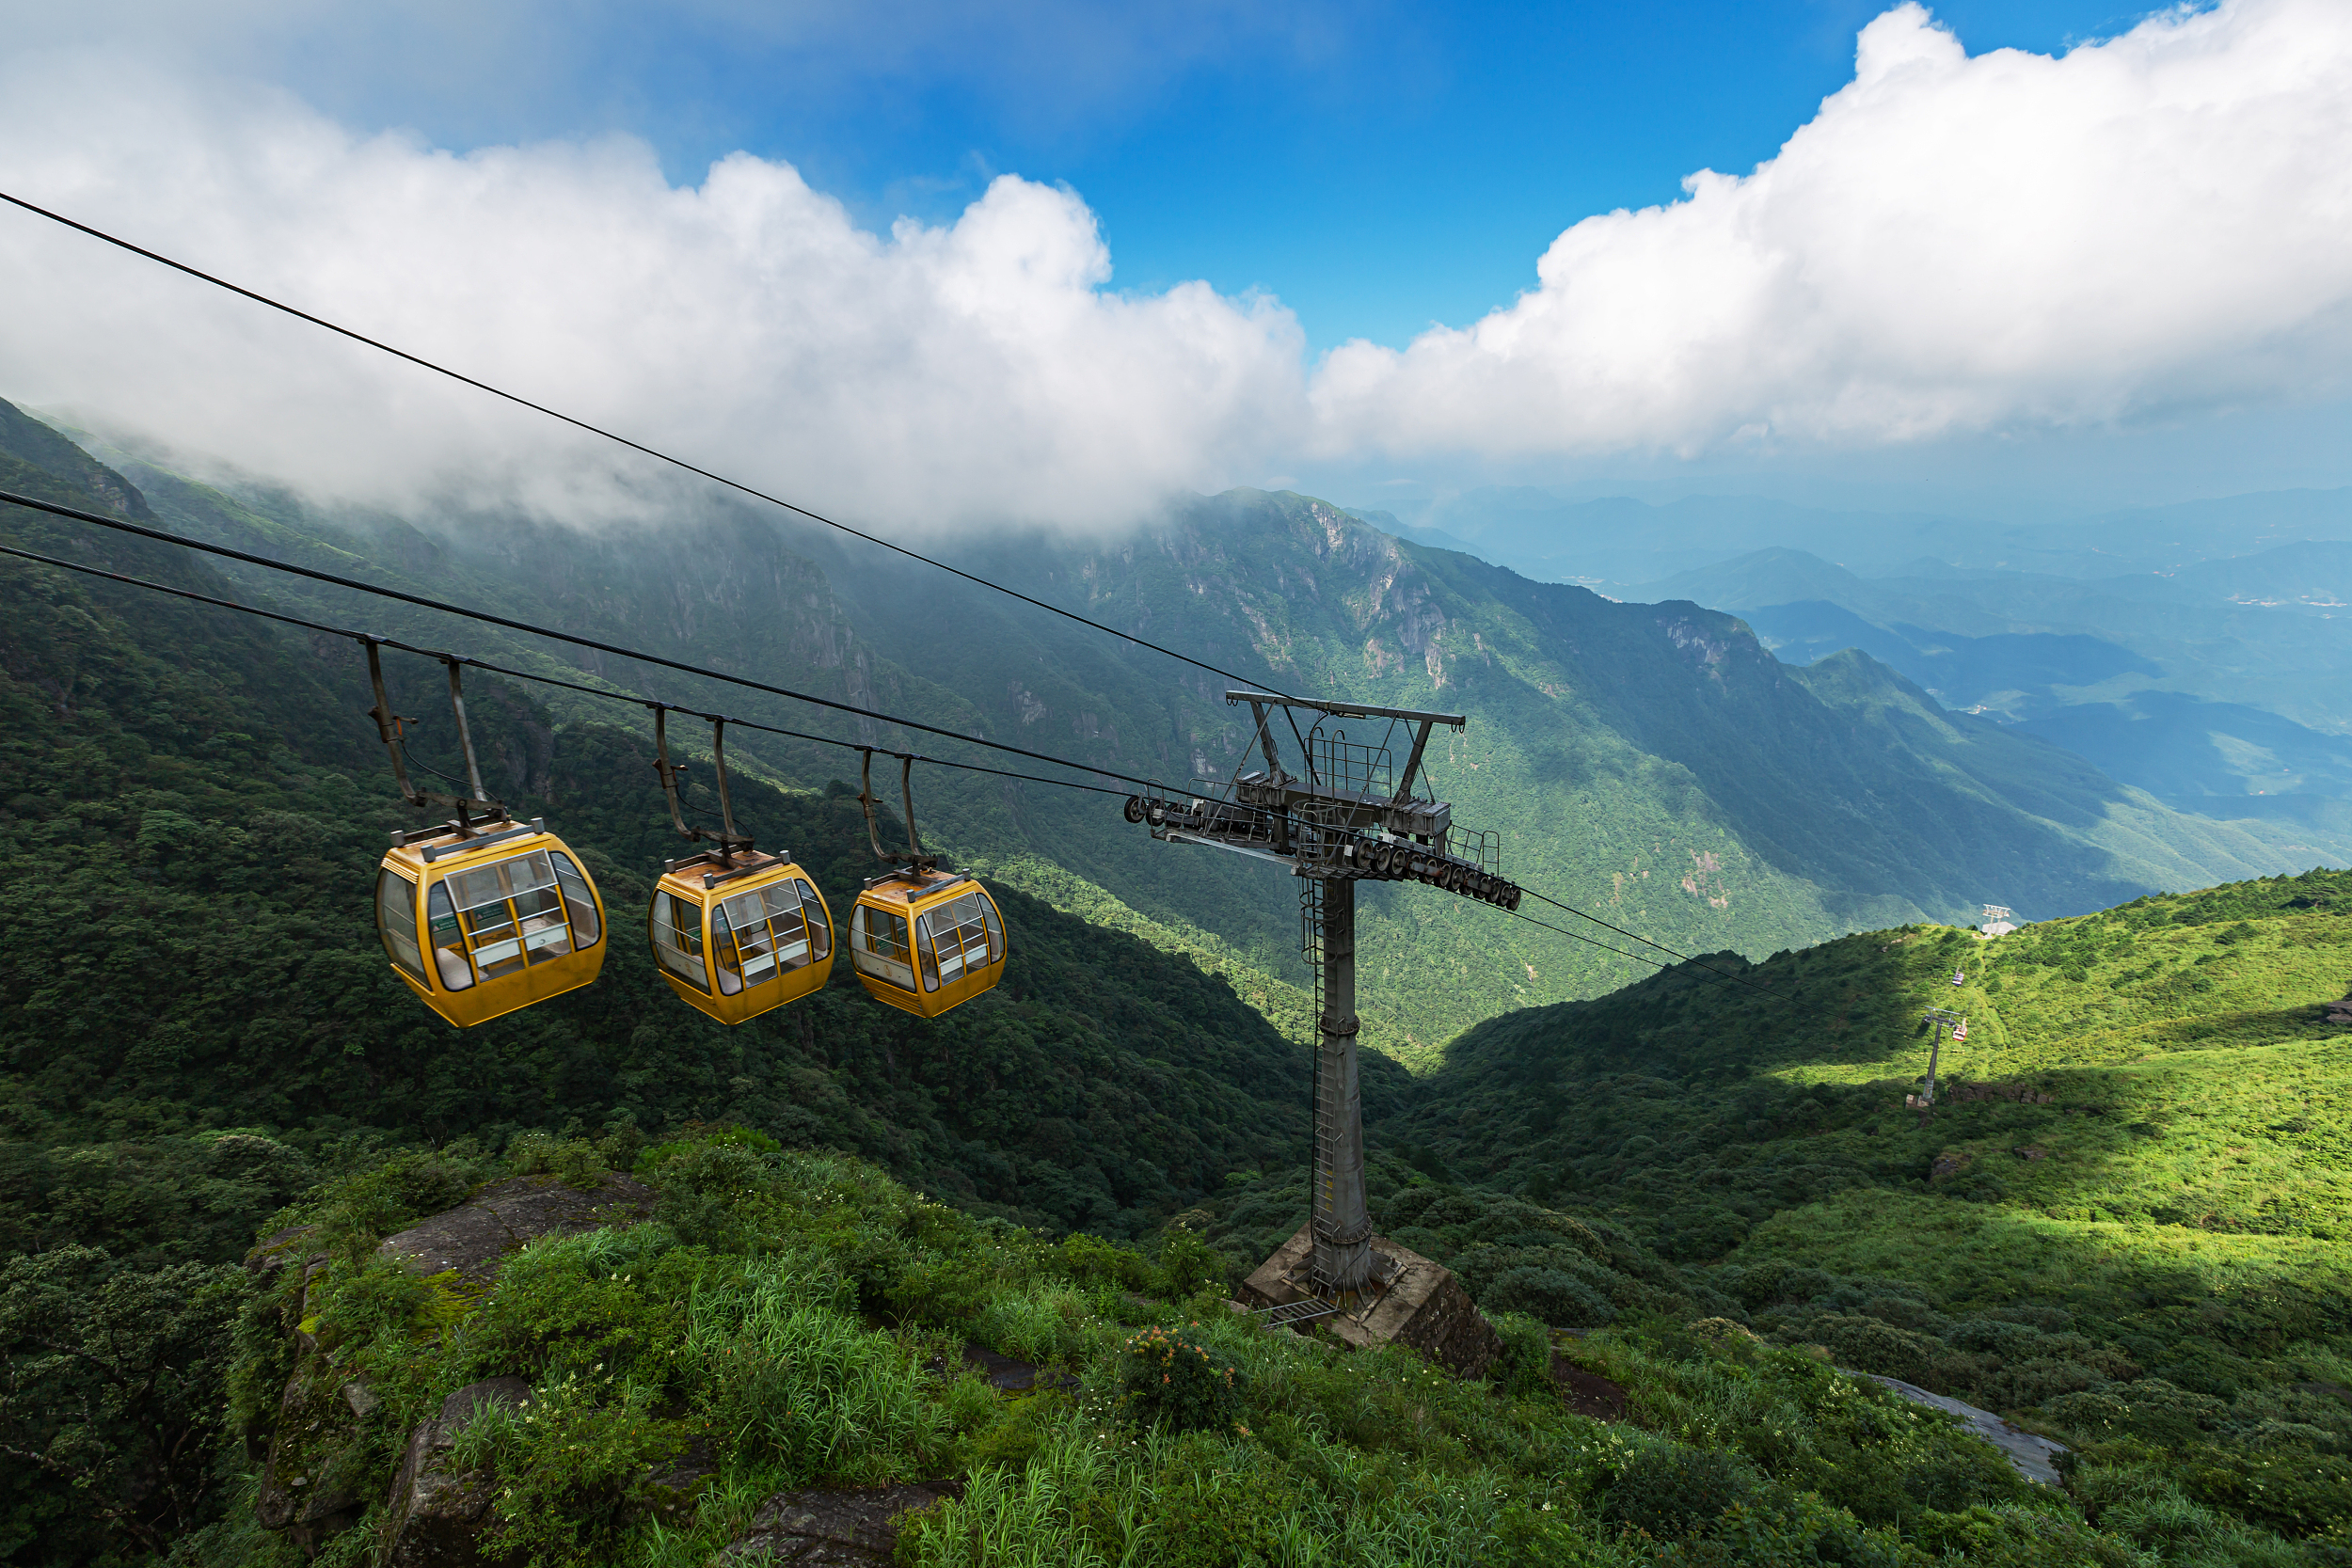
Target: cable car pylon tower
point(1350, 818)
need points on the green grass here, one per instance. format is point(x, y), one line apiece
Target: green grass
point(2124, 1223)
point(799, 1350)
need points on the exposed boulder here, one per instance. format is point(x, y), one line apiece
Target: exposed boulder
point(474, 1238)
point(310, 1481)
point(816, 1529)
point(2034, 1457)
point(307, 1487)
point(274, 1252)
point(437, 1514)
point(672, 1487)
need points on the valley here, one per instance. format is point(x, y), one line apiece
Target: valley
point(1656, 766)
point(2122, 1225)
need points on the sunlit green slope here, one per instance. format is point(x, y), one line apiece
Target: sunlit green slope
point(2126, 1219)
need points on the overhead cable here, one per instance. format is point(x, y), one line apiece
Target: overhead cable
point(35, 502)
point(512, 625)
point(1639, 958)
point(488, 668)
point(615, 437)
point(1638, 937)
point(683, 465)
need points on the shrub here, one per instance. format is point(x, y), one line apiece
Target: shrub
point(1188, 1265)
point(2152, 1408)
point(1549, 1295)
point(1093, 1262)
point(1867, 1345)
point(578, 1162)
point(707, 1193)
point(802, 1385)
point(1524, 1368)
point(2297, 1494)
point(378, 1300)
point(2020, 1536)
point(570, 1465)
point(1670, 1491)
point(1759, 1285)
point(1208, 1521)
point(353, 1212)
point(1956, 1475)
point(1039, 1324)
point(1172, 1379)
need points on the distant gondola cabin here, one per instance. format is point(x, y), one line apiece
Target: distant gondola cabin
point(482, 924)
point(737, 940)
point(927, 942)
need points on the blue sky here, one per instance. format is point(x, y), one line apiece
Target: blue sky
point(1378, 166)
point(2001, 258)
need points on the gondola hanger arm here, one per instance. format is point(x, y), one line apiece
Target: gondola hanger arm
point(392, 728)
point(667, 771)
point(914, 858)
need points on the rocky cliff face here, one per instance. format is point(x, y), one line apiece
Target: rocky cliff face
point(317, 1447)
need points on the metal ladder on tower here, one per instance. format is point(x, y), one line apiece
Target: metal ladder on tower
point(1321, 1198)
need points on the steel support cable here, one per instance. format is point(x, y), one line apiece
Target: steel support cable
point(1636, 936)
point(483, 665)
point(488, 668)
point(615, 437)
point(1637, 957)
point(484, 616)
point(34, 502)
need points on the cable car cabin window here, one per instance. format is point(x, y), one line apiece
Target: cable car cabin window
point(923, 959)
point(762, 934)
point(678, 939)
point(396, 918)
point(578, 901)
point(509, 914)
point(813, 914)
point(963, 936)
point(878, 945)
point(449, 943)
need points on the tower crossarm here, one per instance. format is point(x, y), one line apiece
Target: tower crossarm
point(1340, 824)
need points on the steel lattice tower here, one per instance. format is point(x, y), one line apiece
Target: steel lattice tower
point(1345, 820)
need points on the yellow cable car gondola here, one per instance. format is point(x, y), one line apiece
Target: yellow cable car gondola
point(480, 915)
point(735, 932)
point(922, 940)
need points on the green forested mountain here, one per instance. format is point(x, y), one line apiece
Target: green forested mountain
point(1651, 763)
point(2118, 1227)
point(192, 815)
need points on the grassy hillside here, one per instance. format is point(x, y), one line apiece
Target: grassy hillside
point(794, 1319)
point(2124, 1223)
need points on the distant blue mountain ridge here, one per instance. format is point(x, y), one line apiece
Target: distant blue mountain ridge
point(2218, 685)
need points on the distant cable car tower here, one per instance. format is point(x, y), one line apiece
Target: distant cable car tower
point(1999, 920)
point(1937, 1019)
point(1344, 822)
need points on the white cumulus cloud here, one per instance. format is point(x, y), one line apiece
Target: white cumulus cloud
point(2157, 222)
point(935, 376)
point(2153, 224)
